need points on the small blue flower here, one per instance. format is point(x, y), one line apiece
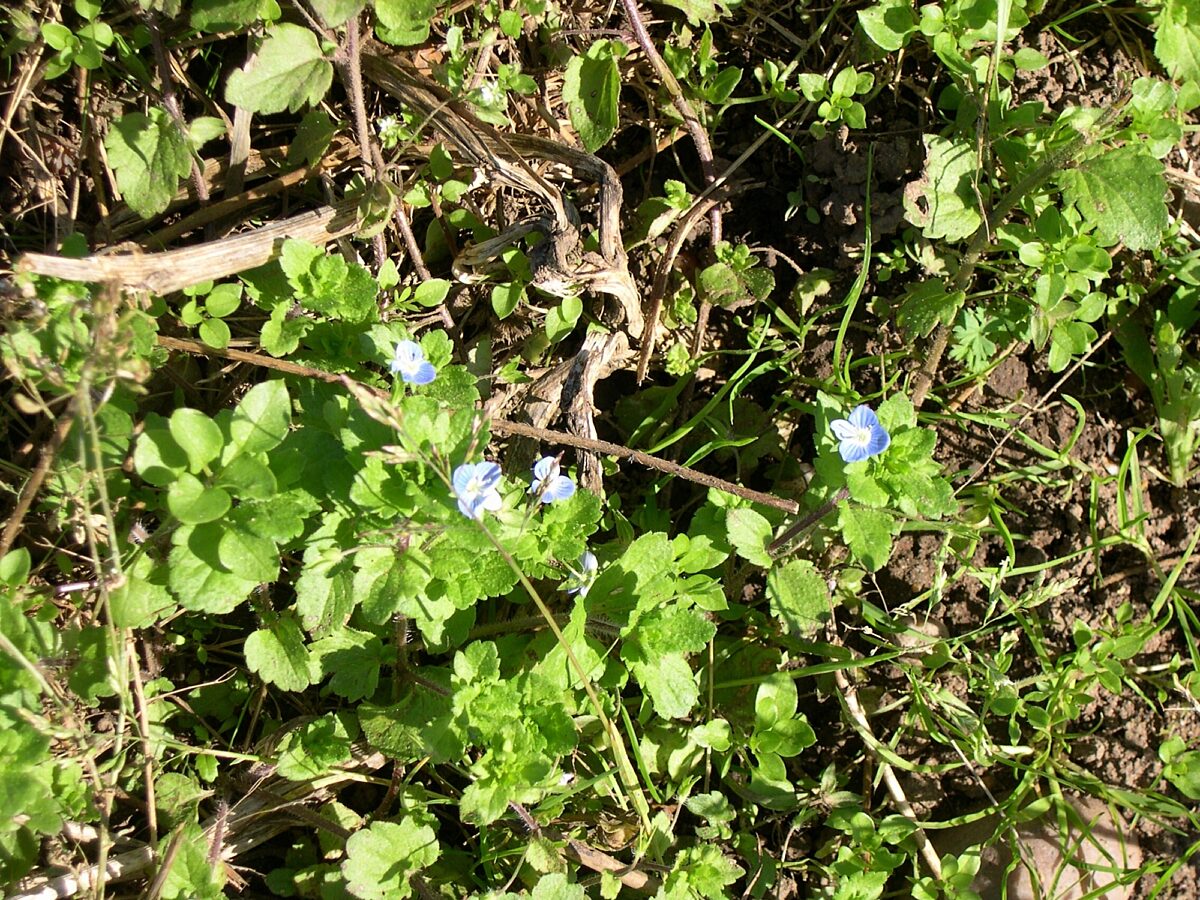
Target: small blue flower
point(476, 485)
point(583, 575)
point(548, 481)
point(410, 363)
point(860, 436)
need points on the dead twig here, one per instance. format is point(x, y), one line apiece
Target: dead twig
point(173, 270)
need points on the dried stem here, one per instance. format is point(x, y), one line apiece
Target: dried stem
point(349, 64)
point(658, 289)
point(858, 719)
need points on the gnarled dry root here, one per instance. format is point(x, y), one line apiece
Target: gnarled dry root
point(560, 266)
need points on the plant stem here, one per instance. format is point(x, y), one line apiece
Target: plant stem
point(807, 522)
point(349, 63)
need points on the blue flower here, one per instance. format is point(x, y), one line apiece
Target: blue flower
point(860, 436)
point(410, 363)
point(548, 481)
point(581, 578)
point(476, 487)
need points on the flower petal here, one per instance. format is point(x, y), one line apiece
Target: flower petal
point(879, 441)
point(488, 473)
point(423, 373)
point(843, 430)
point(544, 468)
point(863, 416)
point(462, 477)
point(560, 488)
point(852, 451)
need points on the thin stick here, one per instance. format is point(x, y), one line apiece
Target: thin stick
point(503, 426)
point(34, 484)
point(349, 62)
point(173, 270)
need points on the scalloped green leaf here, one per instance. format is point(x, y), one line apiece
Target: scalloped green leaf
point(149, 155)
point(289, 72)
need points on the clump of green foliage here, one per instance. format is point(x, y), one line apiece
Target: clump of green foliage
point(323, 583)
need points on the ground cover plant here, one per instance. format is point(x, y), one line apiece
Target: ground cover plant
point(689, 449)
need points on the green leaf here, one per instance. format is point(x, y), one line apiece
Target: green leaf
point(698, 11)
point(278, 655)
point(720, 284)
point(193, 504)
point(799, 597)
point(281, 334)
point(749, 535)
point(403, 23)
point(432, 292)
point(336, 13)
point(94, 670)
point(1183, 771)
point(191, 875)
point(138, 603)
point(561, 319)
point(198, 435)
point(381, 859)
point(591, 90)
point(353, 659)
point(556, 887)
point(249, 478)
point(671, 684)
point(261, 421)
point(506, 298)
point(942, 203)
point(224, 300)
point(889, 23)
point(289, 72)
point(14, 567)
point(327, 284)
point(149, 156)
point(203, 129)
point(868, 534)
point(314, 748)
point(1122, 193)
point(926, 305)
point(224, 15)
point(312, 139)
point(1177, 38)
point(775, 701)
point(196, 576)
point(250, 555)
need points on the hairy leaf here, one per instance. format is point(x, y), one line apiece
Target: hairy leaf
point(943, 203)
point(1123, 194)
point(591, 89)
point(289, 72)
point(149, 155)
